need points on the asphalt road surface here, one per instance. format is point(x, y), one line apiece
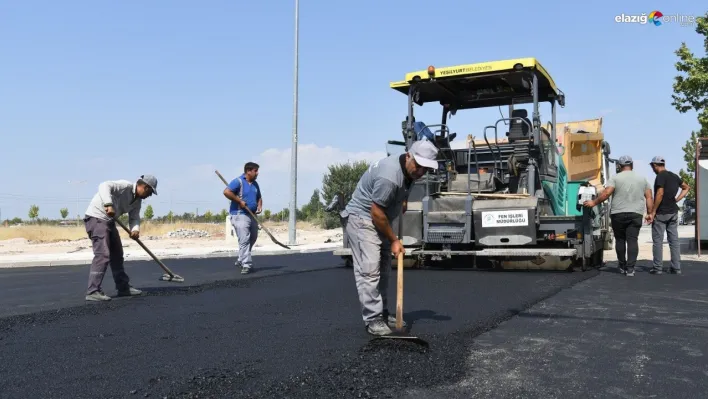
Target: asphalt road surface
point(295, 333)
point(294, 330)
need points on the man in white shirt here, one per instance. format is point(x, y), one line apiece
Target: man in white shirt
point(114, 198)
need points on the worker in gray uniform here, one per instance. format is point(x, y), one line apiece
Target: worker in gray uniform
point(113, 199)
point(631, 197)
point(379, 197)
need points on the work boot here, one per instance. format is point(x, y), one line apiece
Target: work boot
point(391, 320)
point(245, 270)
point(97, 296)
point(378, 327)
point(675, 271)
point(656, 271)
point(630, 273)
point(130, 292)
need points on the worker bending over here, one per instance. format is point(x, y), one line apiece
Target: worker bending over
point(244, 192)
point(664, 215)
point(113, 199)
point(379, 197)
point(631, 197)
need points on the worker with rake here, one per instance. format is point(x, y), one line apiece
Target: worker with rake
point(380, 196)
point(113, 199)
point(244, 192)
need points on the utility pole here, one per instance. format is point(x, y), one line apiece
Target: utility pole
point(293, 157)
point(78, 216)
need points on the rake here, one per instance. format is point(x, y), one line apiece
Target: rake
point(254, 216)
point(168, 276)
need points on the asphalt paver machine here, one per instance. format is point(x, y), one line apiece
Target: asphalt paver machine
point(504, 200)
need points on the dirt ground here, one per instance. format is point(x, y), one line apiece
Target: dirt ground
point(189, 238)
point(180, 238)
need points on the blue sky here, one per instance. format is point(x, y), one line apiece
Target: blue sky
point(112, 90)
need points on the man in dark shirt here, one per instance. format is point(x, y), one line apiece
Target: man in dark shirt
point(664, 215)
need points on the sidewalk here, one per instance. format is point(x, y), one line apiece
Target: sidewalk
point(135, 252)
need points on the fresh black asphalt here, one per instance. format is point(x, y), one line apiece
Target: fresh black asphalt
point(607, 337)
point(294, 330)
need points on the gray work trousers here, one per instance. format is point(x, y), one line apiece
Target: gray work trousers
point(247, 232)
point(371, 256)
point(666, 223)
point(107, 249)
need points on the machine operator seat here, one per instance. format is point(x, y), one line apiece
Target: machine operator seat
point(519, 130)
point(441, 140)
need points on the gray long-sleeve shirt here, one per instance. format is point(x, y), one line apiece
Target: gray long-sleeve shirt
point(120, 193)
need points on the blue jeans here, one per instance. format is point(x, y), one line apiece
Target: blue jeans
point(247, 232)
point(666, 223)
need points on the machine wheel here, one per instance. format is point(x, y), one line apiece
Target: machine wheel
point(596, 260)
point(600, 259)
point(607, 244)
point(348, 261)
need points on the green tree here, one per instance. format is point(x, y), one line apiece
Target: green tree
point(64, 212)
point(691, 88)
point(340, 179)
point(691, 93)
point(149, 213)
point(267, 214)
point(223, 215)
point(689, 155)
point(33, 212)
point(282, 215)
point(313, 210)
point(208, 216)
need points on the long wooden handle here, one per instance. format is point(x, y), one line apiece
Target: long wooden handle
point(159, 262)
point(254, 216)
point(399, 293)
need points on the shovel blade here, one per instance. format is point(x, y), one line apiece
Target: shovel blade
point(174, 279)
point(401, 335)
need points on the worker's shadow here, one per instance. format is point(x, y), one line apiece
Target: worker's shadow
point(416, 315)
point(266, 268)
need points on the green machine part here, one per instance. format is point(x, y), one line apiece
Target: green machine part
point(564, 194)
point(558, 192)
point(573, 189)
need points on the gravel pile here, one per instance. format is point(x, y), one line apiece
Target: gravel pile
point(187, 233)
